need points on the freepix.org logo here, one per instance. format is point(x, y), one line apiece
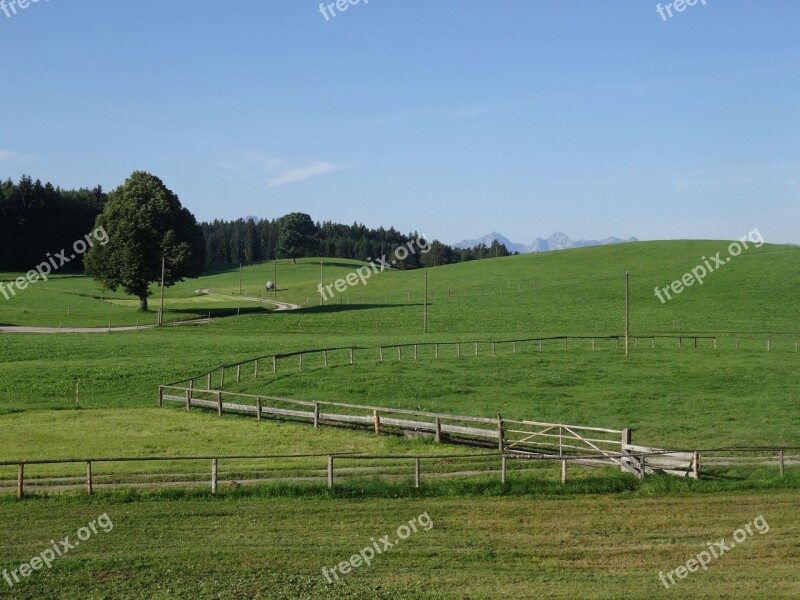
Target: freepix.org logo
point(11, 7)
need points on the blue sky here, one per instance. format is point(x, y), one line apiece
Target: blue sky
point(451, 118)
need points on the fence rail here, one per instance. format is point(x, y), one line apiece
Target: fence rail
point(215, 379)
point(646, 464)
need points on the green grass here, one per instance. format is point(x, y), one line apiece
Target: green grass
point(603, 531)
point(511, 547)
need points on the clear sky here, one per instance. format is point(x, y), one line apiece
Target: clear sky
point(454, 118)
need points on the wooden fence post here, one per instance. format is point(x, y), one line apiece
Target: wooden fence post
point(458, 349)
point(436, 350)
point(769, 344)
point(695, 465)
point(540, 343)
point(330, 471)
point(274, 364)
point(222, 379)
point(188, 399)
point(415, 352)
point(780, 462)
point(399, 353)
point(89, 476)
point(214, 475)
point(437, 426)
point(21, 481)
point(325, 358)
point(626, 440)
point(476, 348)
point(161, 395)
point(416, 473)
point(563, 471)
point(316, 415)
point(500, 433)
point(376, 419)
point(300, 361)
point(592, 343)
point(351, 356)
point(238, 373)
point(642, 467)
point(255, 369)
point(513, 347)
point(219, 403)
point(493, 348)
point(208, 382)
point(258, 408)
point(380, 353)
point(503, 467)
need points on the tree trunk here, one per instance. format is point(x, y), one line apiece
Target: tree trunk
point(143, 302)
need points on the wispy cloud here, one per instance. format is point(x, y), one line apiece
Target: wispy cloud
point(8, 155)
point(299, 174)
point(274, 171)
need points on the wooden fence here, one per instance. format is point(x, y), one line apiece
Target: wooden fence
point(491, 464)
point(505, 434)
point(324, 357)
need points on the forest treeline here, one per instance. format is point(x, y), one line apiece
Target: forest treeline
point(37, 219)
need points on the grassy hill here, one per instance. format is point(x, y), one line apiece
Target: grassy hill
point(603, 536)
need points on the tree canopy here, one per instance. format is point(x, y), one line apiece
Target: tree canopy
point(145, 221)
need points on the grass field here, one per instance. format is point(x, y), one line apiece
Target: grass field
point(607, 533)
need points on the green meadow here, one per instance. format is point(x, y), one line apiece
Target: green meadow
point(603, 535)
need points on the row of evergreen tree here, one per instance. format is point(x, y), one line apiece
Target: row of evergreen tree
point(252, 240)
point(36, 219)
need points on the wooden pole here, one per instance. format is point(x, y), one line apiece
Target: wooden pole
point(325, 358)
point(161, 395)
point(255, 370)
point(627, 311)
point(416, 473)
point(376, 420)
point(208, 382)
point(89, 477)
point(351, 356)
point(214, 475)
point(695, 465)
point(188, 399)
point(21, 481)
point(437, 426)
point(500, 433)
point(330, 471)
point(316, 415)
point(222, 378)
point(425, 309)
point(380, 353)
point(219, 403)
point(780, 462)
point(238, 373)
point(563, 471)
point(161, 308)
point(503, 468)
point(274, 364)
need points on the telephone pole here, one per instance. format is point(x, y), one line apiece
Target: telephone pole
point(161, 308)
point(627, 311)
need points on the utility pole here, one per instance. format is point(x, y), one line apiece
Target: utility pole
point(321, 281)
point(161, 309)
point(275, 280)
point(240, 278)
point(425, 311)
point(627, 311)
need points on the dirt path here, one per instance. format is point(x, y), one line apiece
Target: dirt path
point(279, 306)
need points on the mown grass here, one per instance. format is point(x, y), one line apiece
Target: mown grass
point(603, 535)
point(595, 546)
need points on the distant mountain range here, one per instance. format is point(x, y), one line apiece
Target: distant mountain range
point(557, 241)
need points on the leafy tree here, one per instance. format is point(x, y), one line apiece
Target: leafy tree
point(297, 236)
point(144, 222)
